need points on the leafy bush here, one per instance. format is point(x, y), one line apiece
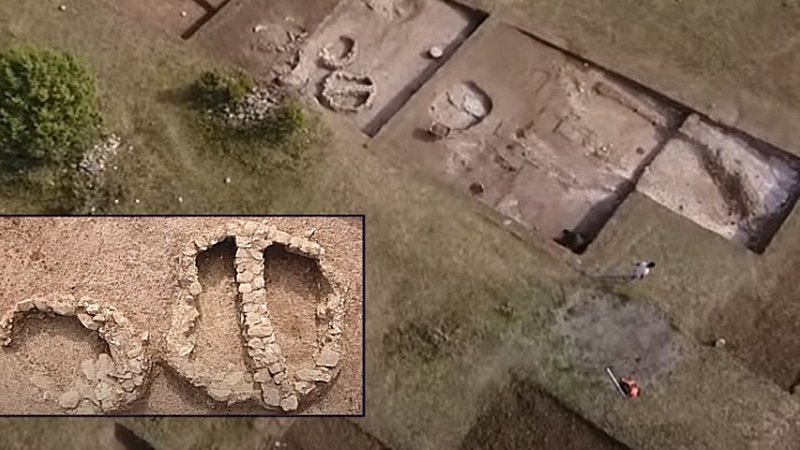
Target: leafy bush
point(288, 121)
point(48, 110)
point(286, 139)
point(215, 88)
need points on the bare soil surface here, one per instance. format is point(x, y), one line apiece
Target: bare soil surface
point(523, 416)
point(217, 329)
point(295, 284)
point(328, 434)
point(739, 188)
point(130, 264)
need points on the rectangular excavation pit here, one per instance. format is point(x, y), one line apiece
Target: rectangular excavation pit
point(536, 134)
point(385, 47)
point(735, 186)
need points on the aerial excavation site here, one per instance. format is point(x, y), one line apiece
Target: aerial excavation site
point(518, 224)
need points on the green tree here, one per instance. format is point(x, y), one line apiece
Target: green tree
point(48, 110)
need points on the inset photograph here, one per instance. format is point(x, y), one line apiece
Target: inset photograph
point(187, 315)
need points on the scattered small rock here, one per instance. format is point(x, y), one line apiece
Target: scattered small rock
point(69, 399)
point(477, 188)
point(289, 403)
point(227, 180)
point(183, 14)
point(436, 52)
point(328, 358)
point(42, 382)
point(719, 343)
point(62, 8)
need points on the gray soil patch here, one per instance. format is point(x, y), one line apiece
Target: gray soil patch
point(263, 36)
point(631, 337)
point(219, 342)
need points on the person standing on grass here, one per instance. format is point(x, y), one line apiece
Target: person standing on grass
point(642, 269)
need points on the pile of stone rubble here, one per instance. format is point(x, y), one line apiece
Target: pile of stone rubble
point(94, 161)
point(255, 108)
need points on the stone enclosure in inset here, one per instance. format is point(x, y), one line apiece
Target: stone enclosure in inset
point(271, 380)
point(114, 379)
point(268, 376)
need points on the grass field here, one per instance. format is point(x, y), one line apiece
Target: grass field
point(454, 302)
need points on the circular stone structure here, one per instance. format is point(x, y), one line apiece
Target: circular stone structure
point(346, 92)
point(332, 62)
point(112, 381)
point(270, 381)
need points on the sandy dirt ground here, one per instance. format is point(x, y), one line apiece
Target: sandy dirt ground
point(129, 263)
